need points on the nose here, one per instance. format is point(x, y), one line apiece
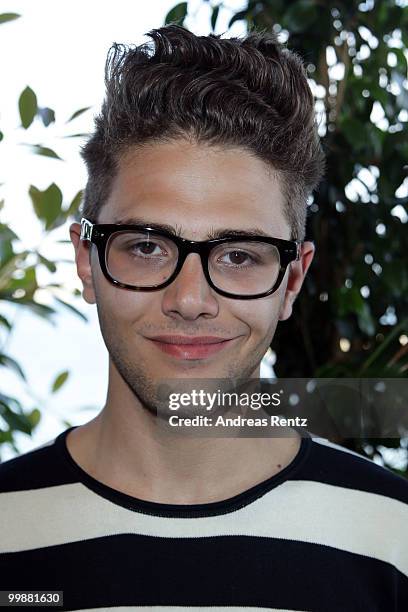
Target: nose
point(189, 296)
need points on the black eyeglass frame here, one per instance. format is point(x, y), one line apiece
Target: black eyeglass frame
point(99, 234)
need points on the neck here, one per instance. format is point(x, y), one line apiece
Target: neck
point(125, 448)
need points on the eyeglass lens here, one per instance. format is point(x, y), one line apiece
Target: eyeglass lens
point(143, 259)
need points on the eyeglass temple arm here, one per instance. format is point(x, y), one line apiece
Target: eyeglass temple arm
point(86, 229)
point(299, 247)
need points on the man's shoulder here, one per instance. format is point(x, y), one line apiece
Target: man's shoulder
point(35, 469)
point(338, 466)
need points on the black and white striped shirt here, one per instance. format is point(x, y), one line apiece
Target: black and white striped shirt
point(328, 533)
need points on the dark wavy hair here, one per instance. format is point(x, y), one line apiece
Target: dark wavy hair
point(249, 92)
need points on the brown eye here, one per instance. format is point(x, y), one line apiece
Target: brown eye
point(237, 257)
point(146, 248)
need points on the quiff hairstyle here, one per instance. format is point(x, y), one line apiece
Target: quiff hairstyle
point(250, 92)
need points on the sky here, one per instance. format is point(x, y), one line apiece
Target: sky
point(59, 49)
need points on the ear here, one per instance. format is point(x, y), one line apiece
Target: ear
point(297, 272)
point(83, 263)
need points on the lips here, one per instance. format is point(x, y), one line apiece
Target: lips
point(171, 339)
point(190, 347)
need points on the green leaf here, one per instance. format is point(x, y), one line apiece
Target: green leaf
point(73, 207)
point(214, 16)
point(41, 310)
point(20, 422)
point(379, 93)
point(40, 150)
point(50, 265)
point(241, 15)
point(67, 424)
point(10, 403)
point(395, 277)
point(6, 233)
point(83, 135)
point(1, 136)
point(9, 264)
point(301, 15)
point(72, 308)
point(47, 204)
point(9, 362)
point(5, 322)
point(401, 59)
point(365, 320)
point(34, 417)
point(59, 381)
point(6, 17)
point(27, 105)
point(6, 437)
point(47, 115)
point(77, 113)
point(177, 14)
point(27, 281)
point(355, 132)
point(375, 138)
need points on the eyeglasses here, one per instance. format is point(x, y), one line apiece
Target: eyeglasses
point(142, 258)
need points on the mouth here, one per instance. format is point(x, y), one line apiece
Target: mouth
point(183, 347)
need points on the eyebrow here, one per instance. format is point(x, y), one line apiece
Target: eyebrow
point(177, 231)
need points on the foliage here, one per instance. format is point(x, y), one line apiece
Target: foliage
point(350, 318)
point(19, 270)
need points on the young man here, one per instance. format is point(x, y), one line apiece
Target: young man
point(199, 139)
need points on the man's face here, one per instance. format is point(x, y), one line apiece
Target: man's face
point(196, 189)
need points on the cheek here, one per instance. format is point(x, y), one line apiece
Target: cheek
point(260, 316)
point(130, 307)
point(121, 306)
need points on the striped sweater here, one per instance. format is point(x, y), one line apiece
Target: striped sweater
point(328, 533)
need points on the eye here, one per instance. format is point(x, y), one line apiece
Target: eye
point(237, 258)
point(146, 247)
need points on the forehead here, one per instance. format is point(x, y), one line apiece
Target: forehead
point(197, 187)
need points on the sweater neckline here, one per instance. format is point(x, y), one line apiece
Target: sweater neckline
point(216, 508)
